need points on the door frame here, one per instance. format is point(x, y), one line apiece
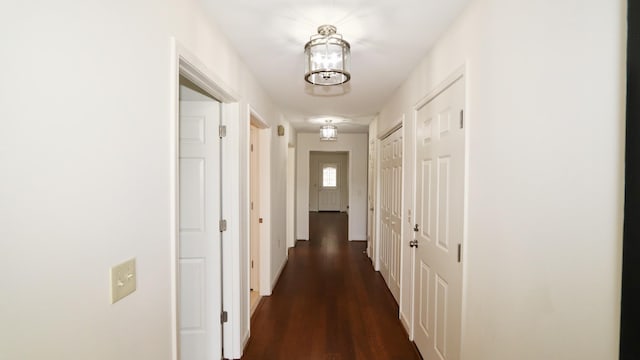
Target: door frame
point(254, 207)
point(371, 198)
point(264, 163)
point(184, 63)
point(377, 204)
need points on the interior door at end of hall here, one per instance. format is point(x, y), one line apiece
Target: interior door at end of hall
point(329, 191)
point(391, 212)
point(440, 171)
point(200, 288)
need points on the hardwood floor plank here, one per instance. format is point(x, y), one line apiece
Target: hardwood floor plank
point(329, 304)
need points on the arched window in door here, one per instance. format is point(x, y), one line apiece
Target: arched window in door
point(329, 175)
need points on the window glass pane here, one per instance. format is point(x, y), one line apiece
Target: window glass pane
point(329, 178)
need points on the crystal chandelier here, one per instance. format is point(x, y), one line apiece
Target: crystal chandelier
point(327, 58)
point(328, 132)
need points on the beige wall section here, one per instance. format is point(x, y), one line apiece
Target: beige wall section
point(545, 122)
point(279, 153)
point(86, 164)
point(317, 158)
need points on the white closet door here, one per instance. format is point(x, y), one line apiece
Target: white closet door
point(440, 171)
point(391, 211)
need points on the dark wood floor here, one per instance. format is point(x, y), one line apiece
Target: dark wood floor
point(328, 304)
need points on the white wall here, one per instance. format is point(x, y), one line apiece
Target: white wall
point(85, 149)
point(356, 146)
point(545, 124)
point(279, 153)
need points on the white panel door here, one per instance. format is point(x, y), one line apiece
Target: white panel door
point(391, 211)
point(199, 259)
point(329, 193)
point(440, 215)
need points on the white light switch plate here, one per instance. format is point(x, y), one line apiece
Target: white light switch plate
point(123, 280)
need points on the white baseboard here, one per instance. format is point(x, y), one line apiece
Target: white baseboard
point(245, 340)
point(405, 323)
point(275, 279)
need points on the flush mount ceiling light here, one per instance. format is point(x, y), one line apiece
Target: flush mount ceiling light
point(328, 132)
point(327, 58)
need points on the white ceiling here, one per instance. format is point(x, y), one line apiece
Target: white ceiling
point(388, 38)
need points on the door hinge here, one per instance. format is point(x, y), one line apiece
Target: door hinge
point(252, 205)
point(252, 264)
point(223, 225)
point(459, 252)
point(461, 119)
point(222, 131)
point(251, 147)
point(224, 317)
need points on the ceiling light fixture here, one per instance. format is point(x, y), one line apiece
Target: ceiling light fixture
point(328, 132)
point(327, 58)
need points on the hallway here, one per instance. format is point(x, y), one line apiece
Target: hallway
point(328, 304)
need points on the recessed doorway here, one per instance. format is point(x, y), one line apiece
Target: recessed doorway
point(329, 185)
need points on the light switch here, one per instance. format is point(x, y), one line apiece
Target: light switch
point(123, 280)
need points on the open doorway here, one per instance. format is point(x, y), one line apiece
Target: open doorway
point(329, 181)
point(328, 186)
point(354, 174)
point(259, 209)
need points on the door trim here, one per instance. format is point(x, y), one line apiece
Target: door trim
point(184, 63)
point(393, 129)
point(254, 211)
point(264, 163)
point(457, 74)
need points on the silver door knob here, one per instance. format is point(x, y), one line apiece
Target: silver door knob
point(413, 243)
